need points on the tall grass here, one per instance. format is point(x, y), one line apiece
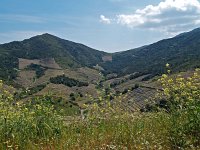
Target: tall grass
point(182, 95)
point(23, 124)
point(107, 125)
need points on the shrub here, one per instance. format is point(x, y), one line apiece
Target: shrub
point(125, 91)
point(39, 70)
point(25, 123)
point(62, 79)
point(182, 95)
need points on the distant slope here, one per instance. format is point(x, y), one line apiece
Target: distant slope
point(66, 53)
point(181, 52)
point(49, 46)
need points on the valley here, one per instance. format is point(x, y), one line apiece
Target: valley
point(100, 75)
point(54, 91)
point(36, 62)
point(97, 82)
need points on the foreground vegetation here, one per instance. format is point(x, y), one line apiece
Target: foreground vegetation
point(173, 123)
point(62, 79)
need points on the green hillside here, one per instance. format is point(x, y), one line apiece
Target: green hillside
point(66, 53)
point(182, 52)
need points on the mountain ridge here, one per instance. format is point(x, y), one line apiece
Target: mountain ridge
point(152, 58)
point(181, 51)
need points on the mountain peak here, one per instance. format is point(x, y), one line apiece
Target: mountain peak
point(44, 38)
point(67, 54)
point(46, 35)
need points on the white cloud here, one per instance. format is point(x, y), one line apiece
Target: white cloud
point(105, 20)
point(169, 16)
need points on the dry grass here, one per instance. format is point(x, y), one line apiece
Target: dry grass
point(26, 78)
point(48, 62)
point(107, 125)
point(84, 74)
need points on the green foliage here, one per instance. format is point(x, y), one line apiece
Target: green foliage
point(36, 89)
point(80, 94)
point(61, 106)
point(66, 53)
point(176, 128)
point(66, 62)
point(132, 133)
point(39, 70)
point(8, 67)
point(125, 91)
point(22, 124)
point(117, 82)
point(28, 92)
point(62, 79)
point(135, 75)
point(182, 96)
point(136, 86)
point(182, 52)
point(37, 124)
point(72, 97)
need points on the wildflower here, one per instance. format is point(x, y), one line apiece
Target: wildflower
point(164, 76)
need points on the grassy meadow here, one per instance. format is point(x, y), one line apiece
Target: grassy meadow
point(172, 123)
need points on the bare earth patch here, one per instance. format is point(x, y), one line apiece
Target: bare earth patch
point(47, 62)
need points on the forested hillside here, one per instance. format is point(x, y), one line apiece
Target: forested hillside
point(182, 52)
point(66, 53)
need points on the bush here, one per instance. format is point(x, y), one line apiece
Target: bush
point(62, 79)
point(25, 123)
point(39, 70)
point(108, 124)
point(136, 86)
point(182, 96)
point(125, 91)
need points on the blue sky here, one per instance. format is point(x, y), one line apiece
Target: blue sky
point(109, 25)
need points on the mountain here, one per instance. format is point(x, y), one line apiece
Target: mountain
point(47, 64)
point(66, 53)
point(182, 52)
